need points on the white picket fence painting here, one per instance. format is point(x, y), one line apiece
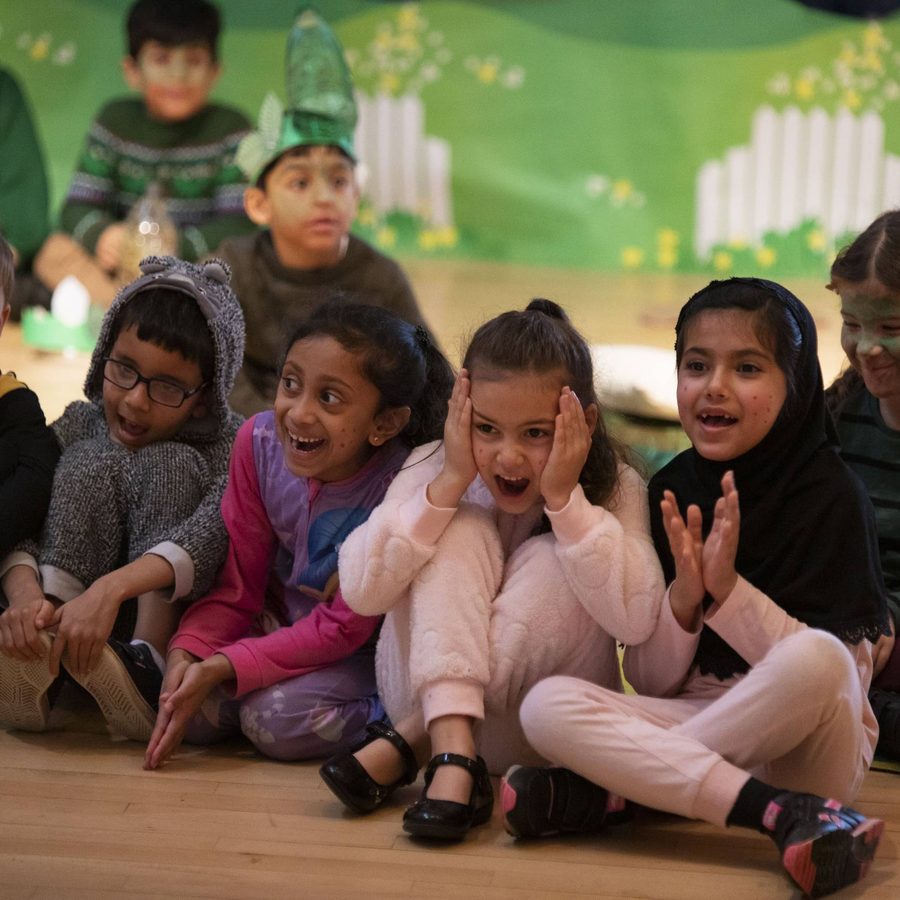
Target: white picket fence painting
point(406, 170)
point(798, 166)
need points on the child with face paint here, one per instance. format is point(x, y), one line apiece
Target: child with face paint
point(751, 707)
point(516, 549)
point(170, 134)
point(865, 402)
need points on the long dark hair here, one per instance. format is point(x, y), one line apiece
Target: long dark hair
point(399, 358)
point(540, 339)
point(875, 254)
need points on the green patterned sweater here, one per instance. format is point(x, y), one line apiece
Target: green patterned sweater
point(192, 160)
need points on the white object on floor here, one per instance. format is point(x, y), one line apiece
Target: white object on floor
point(636, 379)
point(70, 302)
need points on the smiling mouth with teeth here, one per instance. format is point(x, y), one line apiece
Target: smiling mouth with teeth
point(511, 487)
point(304, 445)
point(717, 421)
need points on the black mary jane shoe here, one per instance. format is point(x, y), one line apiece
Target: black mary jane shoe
point(354, 786)
point(446, 820)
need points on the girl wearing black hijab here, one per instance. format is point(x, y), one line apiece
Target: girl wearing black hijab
point(752, 706)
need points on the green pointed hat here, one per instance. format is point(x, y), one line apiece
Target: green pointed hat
point(320, 107)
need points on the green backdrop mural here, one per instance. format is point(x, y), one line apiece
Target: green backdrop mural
point(653, 136)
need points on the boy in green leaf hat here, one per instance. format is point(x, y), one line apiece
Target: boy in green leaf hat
point(301, 167)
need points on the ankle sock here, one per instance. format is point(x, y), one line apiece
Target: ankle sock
point(160, 662)
point(750, 807)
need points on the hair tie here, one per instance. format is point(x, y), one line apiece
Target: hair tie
point(422, 337)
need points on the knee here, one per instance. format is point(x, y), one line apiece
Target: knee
point(542, 711)
point(93, 461)
point(293, 730)
point(167, 457)
point(819, 660)
point(472, 527)
point(166, 467)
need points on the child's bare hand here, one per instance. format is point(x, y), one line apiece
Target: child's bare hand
point(571, 443)
point(185, 687)
point(720, 548)
point(20, 627)
point(882, 648)
point(84, 625)
point(459, 469)
point(109, 246)
point(686, 544)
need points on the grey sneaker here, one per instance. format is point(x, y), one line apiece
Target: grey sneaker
point(24, 688)
point(126, 684)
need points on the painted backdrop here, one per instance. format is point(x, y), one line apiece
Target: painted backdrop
point(652, 135)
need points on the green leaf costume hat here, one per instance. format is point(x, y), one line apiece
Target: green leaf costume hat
point(320, 109)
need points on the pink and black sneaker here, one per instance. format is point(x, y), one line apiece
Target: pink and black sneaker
point(824, 845)
point(541, 802)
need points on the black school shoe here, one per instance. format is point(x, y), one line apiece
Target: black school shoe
point(126, 684)
point(824, 846)
point(446, 820)
point(27, 690)
point(348, 780)
point(542, 802)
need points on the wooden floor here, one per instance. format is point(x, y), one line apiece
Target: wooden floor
point(80, 819)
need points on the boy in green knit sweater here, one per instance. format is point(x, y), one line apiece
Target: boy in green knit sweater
point(170, 135)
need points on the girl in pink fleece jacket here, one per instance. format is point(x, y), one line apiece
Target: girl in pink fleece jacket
point(273, 651)
point(518, 549)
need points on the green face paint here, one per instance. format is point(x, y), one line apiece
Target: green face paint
point(870, 335)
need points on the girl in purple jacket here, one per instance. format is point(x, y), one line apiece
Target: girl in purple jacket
point(273, 651)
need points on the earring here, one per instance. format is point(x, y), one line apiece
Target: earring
point(375, 439)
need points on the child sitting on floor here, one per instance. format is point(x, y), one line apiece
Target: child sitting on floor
point(301, 165)
point(170, 135)
point(28, 450)
point(865, 402)
point(273, 650)
point(518, 549)
point(135, 505)
point(752, 701)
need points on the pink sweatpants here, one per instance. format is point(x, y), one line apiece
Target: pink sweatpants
point(795, 721)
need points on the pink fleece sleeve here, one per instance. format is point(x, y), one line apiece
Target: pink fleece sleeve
point(331, 632)
point(751, 622)
point(659, 666)
point(226, 613)
point(381, 558)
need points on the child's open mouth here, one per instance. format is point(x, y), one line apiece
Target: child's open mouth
point(305, 445)
point(719, 420)
point(511, 487)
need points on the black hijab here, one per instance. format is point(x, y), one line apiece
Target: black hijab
point(807, 536)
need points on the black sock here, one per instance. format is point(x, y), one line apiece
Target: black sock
point(751, 803)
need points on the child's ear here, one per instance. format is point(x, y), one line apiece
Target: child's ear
point(131, 73)
point(389, 423)
point(256, 205)
point(591, 416)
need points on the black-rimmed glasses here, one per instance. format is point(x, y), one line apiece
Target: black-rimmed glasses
point(158, 389)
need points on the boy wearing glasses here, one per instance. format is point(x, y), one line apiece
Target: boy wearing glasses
point(135, 506)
